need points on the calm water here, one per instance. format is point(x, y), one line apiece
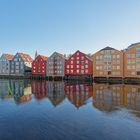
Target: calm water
point(41, 110)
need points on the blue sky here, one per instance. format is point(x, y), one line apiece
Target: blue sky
point(67, 25)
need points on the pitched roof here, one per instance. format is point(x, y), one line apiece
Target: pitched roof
point(133, 45)
point(26, 57)
point(107, 48)
point(8, 56)
point(61, 55)
point(45, 58)
point(83, 54)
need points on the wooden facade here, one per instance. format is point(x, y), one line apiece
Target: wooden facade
point(79, 64)
point(108, 62)
point(132, 61)
point(39, 65)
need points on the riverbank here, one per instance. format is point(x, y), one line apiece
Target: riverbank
point(90, 79)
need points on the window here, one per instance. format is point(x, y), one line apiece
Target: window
point(71, 66)
point(71, 71)
point(138, 72)
point(77, 71)
point(82, 57)
point(138, 50)
point(97, 57)
point(77, 53)
point(82, 67)
point(118, 67)
point(68, 66)
point(138, 61)
point(128, 67)
point(133, 67)
point(101, 57)
point(86, 71)
point(82, 71)
point(78, 58)
point(107, 51)
point(107, 56)
point(77, 62)
point(132, 61)
point(138, 55)
point(112, 51)
point(138, 67)
point(133, 73)
point(118, 56)
point(86, 61)
point(109, 72)
point(86, 66)
point(132, 55)
point(67, 71)
point(71, 62)
point(128, 55)
point(82, 62)
point(77, 66)
point(97, 67)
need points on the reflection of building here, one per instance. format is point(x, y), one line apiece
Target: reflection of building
point(78, 94)
point(55, 92)
point(5, 91)
point(132, 97)
point(107, 97)
point(21, 90)
point(108, 62)
point(39, 89)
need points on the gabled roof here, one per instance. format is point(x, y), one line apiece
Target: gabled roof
point(81, 53)
point(107, 48)
point(8, 56)
point(133, 45)
point(45, 58)
point(25, 57)
point(61, 55)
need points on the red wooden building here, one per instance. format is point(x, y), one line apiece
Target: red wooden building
point(39, 65)
point(79, 64)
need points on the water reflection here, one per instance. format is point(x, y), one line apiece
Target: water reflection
point(107, 97)
point(110, 97)
point(78, 94)
point(104, 97)
point(55, 92)
point(106, 111)
point(39, 89)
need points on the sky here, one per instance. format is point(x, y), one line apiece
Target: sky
point(66, 26)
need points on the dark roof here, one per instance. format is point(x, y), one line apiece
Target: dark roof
point(134, 44)
point(107, 48)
